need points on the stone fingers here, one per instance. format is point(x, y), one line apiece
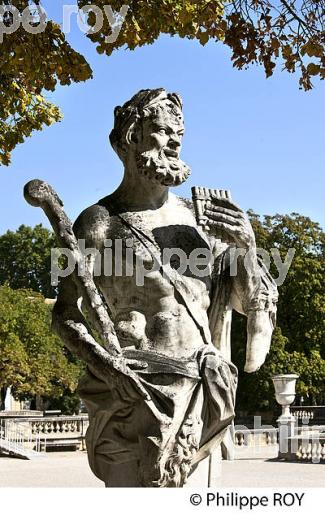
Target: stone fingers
point(226, 203)
point(220, 217)
point(134, 364)
point(225, 211)
point(230, 228)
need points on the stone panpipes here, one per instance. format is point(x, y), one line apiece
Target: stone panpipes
point(200, 198)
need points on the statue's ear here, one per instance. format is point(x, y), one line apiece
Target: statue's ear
point(131, 135)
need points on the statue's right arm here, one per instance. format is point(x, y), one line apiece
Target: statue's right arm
point(70, 325)
point(69, 322)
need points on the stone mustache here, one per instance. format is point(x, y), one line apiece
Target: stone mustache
point(159, 385)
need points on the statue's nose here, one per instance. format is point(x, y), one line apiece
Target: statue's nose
point(174, 141)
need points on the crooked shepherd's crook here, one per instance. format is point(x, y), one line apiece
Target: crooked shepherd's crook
point(40, 194)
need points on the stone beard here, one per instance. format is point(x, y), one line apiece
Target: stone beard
point(160, 168)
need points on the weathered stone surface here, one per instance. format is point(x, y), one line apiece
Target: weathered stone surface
point(170, 315)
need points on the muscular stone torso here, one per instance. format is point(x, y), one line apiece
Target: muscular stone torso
point(151, 315)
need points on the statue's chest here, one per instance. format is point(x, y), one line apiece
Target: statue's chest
point(150, 233)
point(137, 246)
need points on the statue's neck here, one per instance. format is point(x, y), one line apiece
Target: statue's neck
point(137, 193)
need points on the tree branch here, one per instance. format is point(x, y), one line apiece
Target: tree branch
point(294, 14)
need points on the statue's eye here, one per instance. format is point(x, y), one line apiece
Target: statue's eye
point(162, 131)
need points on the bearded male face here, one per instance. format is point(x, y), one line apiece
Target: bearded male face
point(158, 146)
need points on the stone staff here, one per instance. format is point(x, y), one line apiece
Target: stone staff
point(110, 359)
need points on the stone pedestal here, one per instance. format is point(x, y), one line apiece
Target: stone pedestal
point(207, 472)
point(287, 448)
point(228, 444)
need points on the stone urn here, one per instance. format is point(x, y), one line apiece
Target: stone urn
point(285, 391)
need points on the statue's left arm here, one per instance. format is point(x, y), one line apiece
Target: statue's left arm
point(255, 296)
point(250, 289)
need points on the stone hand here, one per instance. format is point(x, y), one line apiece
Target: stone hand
point(135, 364)
point(128, 384)
point(260, 325)
point(227, 217)
point(116, 370)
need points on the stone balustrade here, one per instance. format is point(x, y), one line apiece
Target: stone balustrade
point(60, 431)
point(308, 445)
point(303, 414)
point(312, 450)
point(58, 425)
point(256, 437)
point(313, 415)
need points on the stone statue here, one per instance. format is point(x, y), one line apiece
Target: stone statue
point(163, 402)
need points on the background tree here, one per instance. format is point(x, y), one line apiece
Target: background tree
point(298, 344)
point(257, 31)
point(25, 259)
point(265, 32)
point(33, 361)
point(31, 64)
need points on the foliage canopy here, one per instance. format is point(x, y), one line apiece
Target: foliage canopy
point(33, 361)
point(25, 259)
point(265, 32)
point(31, 64)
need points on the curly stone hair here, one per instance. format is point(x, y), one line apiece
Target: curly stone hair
point(141, 105)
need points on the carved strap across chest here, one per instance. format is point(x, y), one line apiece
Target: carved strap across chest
point(172, 276)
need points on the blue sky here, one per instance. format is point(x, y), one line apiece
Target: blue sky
point(262, 139)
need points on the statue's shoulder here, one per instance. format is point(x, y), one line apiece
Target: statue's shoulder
point(93, 222)
point(185, 203)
